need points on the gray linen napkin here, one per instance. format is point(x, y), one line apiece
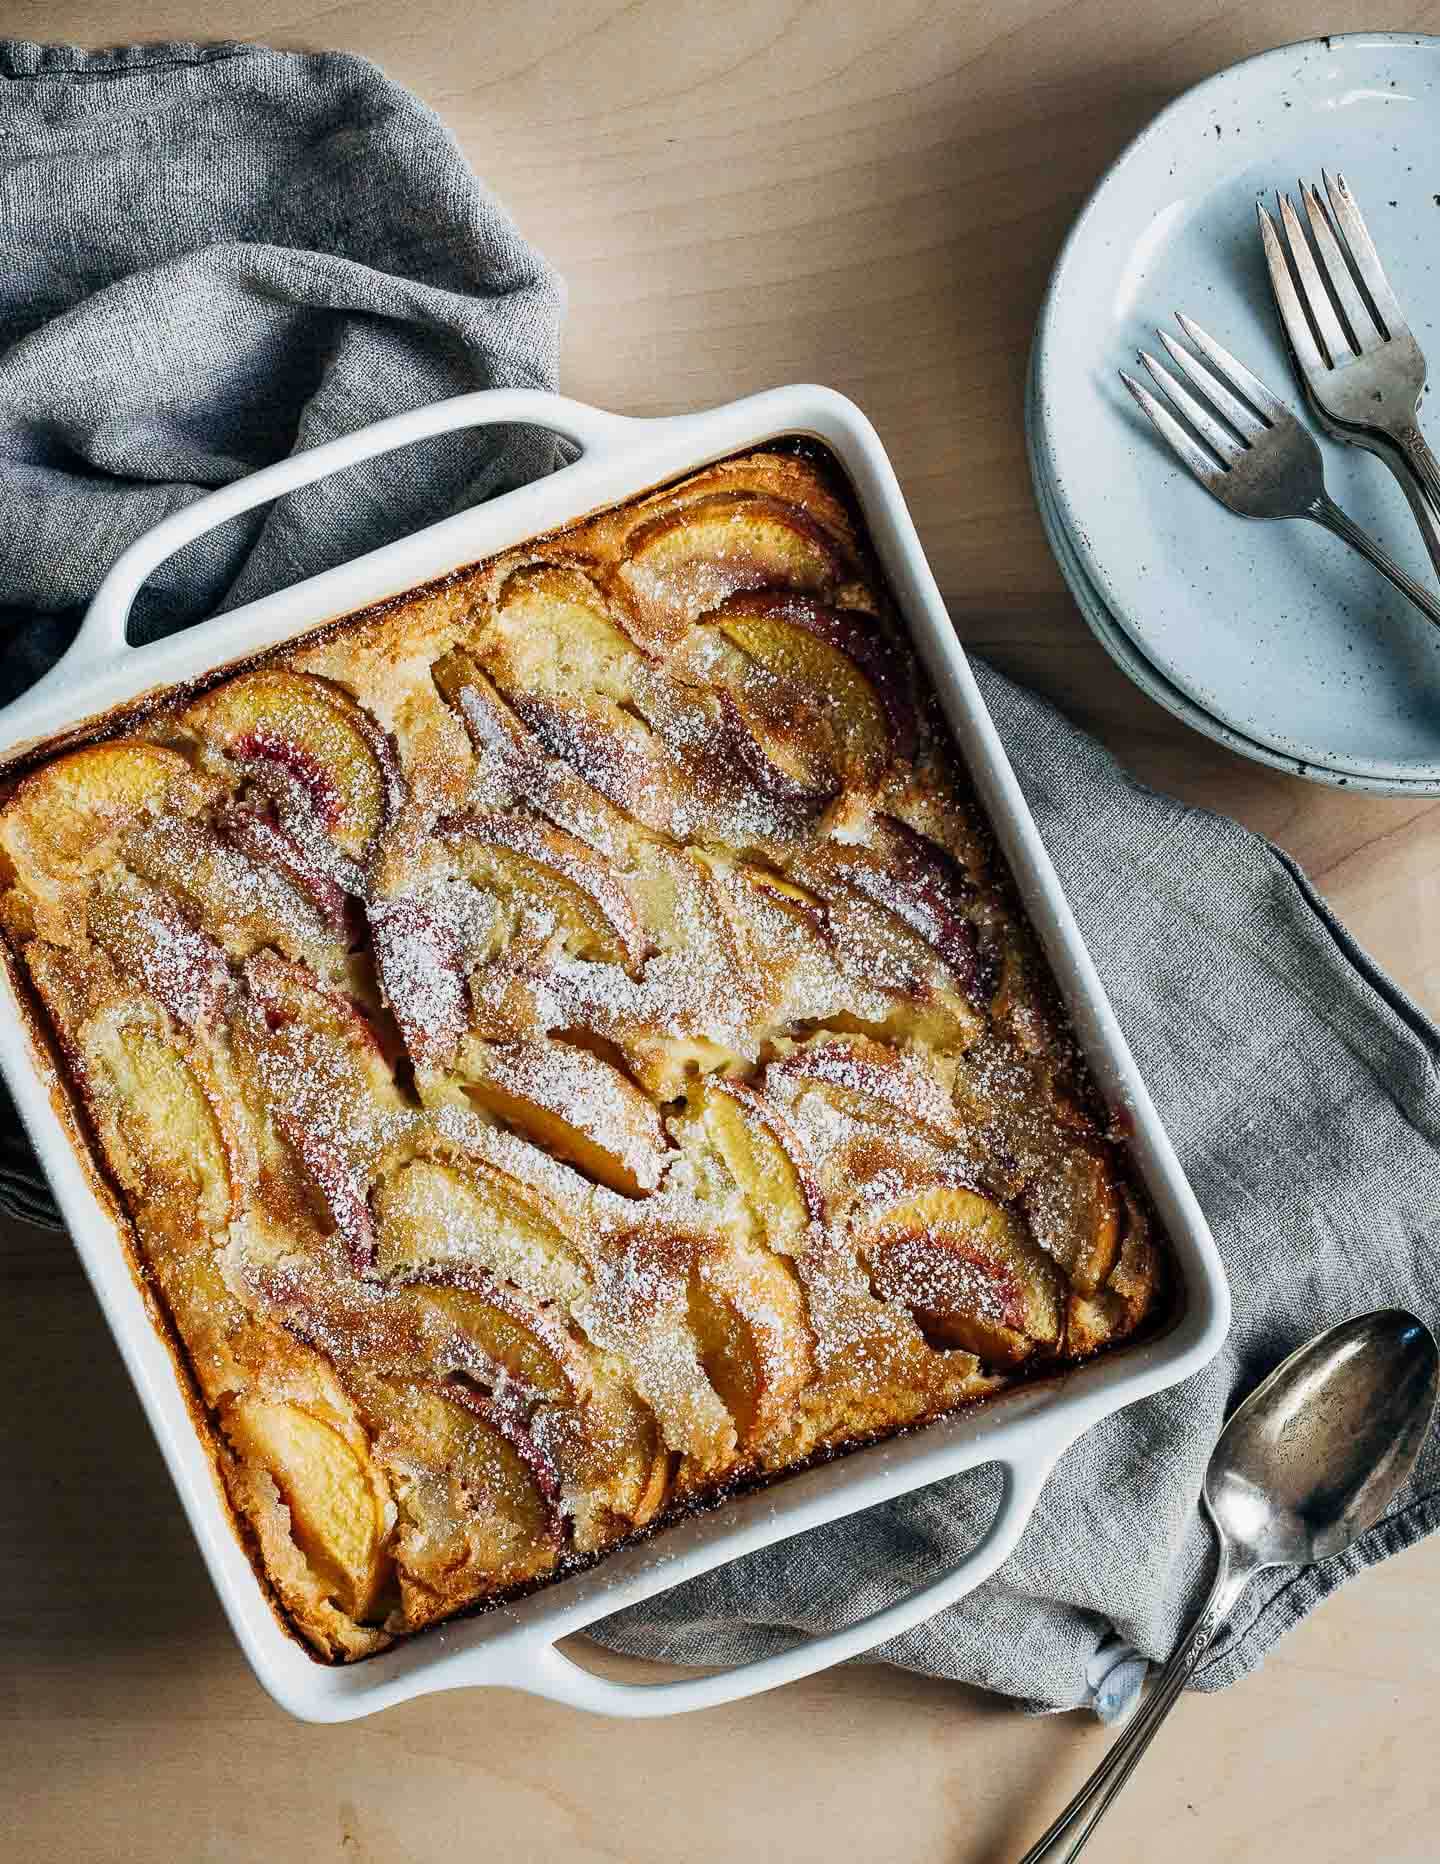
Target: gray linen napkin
point(219, 255)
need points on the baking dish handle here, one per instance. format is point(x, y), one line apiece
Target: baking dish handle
point(102, 635)
point(545, 1671)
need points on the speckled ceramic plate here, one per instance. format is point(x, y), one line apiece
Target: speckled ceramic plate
point(1123, 651)
point(1274, 631)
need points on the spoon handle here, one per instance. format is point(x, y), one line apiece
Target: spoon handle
point(1069, 1834)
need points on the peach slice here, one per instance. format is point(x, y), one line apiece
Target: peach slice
point(552, 632)
point(968, 1272)
point(807, 909)
point(872, 1080)
point(178, 1159)
point(499, 1328)
point(636, 1312)
point(340, 1183)
point(688, 561)
point(151, 941)
point(336, 1502)
point(318, 1066)
point(291, 994)
point(420, 960)
point(774, 756)
point(915, 880)
point(572, 1104)
point(245, 905)
point(765, 1156)
point(62, 824)
point(610, 748)
point(448, 1211)
point(309, 744)
point(838, 668)
point(501, 1469)
point(515, 767)
point(748, 1317)
point(1074, 1214)
point(546, 868)
point(265, 841)
point(1120, 1304)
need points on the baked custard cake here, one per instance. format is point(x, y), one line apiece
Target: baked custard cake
point(567, 1046)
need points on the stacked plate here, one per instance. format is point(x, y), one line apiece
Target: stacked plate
point(1271, 638)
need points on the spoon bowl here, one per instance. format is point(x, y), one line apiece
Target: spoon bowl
point(1314, 1456)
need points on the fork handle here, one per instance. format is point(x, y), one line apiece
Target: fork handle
point(1324, 511)
point(1419, 456)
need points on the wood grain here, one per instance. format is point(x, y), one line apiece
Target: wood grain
point(869, 195)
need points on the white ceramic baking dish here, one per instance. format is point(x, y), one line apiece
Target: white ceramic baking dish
point(1023, 1432)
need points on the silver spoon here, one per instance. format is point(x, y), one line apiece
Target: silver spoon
point(1308, 1463)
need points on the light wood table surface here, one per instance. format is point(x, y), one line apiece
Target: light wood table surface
point(844, 191)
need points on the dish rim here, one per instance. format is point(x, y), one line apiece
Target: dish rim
point(1025, 1431)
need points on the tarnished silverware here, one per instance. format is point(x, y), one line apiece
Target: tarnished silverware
point(1356, 356)
point(1256, 458)
point(1308, 1464)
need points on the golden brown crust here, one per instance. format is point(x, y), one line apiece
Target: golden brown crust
point(567, 1047)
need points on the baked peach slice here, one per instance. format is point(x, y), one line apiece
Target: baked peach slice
point(152, 942)
point(177, 1153)
point(806, 908)
point(497, 1328)
point(765, 1156)
point(968, 1272)
point(906, 875)
point(439, 1213)
point(688, 561)
point(495, 1463)
point(571, 1103)
point(63, 823)
point(637, 1312)
point(747, 1314)
point(600, 1438)
point(319, 1068)
point(1074, 1214)
point(542, 866)
point(514, 767)
point(872, 1081)
point(335, 1496)
point(246, 905)
point(838, 668)
point(1116, 1308)
point(552, 631)
point(254, 834)
point(309, 745)
point(421, 965)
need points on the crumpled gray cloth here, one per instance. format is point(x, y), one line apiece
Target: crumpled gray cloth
point(218, 255)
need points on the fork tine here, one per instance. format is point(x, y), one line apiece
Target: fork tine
point(1235, 373)
point(1317, 299)
point(1287, 298)
point(1362, 250)
point(1198, 415)
point(1244, 419)
point(1365, 334)
point(1191, 452)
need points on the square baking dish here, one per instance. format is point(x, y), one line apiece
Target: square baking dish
point(1024, 1431)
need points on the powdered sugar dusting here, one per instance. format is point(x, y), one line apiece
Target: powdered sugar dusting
point(443, 1010)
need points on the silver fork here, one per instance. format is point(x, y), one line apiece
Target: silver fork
point(1362, 370)
point(1261, 463)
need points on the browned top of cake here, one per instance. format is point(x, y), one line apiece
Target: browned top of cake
point(566, 1046)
